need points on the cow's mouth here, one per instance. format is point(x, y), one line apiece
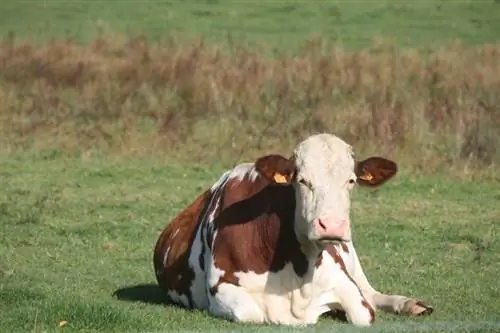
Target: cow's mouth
point(332, 240)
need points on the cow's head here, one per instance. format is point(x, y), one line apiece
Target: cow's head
point(322, 172)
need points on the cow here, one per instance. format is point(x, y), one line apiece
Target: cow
point(270, 242)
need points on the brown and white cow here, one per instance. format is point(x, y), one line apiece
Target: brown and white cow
point(270, 241)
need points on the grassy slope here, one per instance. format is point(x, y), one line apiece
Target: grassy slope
point(284, 24)
point(75, 231)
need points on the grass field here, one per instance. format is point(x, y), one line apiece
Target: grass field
point(100, 146)
point(76, 231)
point(283, 24)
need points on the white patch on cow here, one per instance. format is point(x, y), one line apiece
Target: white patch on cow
point(176, 232)
point(235, 303)
point(271, 293)
point(347, 257)
point(199, 285)
point(214, 274)
point(198, 291)
point(178, 298)
point(221, 181)
point(326, 163)
point(165, 257)
point(209, 219)
point(285, 298)
point(245, 171)
point(214, 201)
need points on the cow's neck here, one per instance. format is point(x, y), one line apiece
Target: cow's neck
point(261, 218)
point(279, 240)
point(281, 237)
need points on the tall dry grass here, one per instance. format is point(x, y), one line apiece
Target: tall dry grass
point(192, 101)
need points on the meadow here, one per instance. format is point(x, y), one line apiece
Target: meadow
point(115, 116)
point(281, 24)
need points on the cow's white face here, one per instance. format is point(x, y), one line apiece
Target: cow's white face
point(324, 178)
point(322, 172)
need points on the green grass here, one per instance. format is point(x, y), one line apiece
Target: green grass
point(75, 231)
point(283, 24)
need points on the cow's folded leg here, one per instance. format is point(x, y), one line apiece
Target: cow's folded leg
point(234, 303)
point(358, 310)
point(386, 302)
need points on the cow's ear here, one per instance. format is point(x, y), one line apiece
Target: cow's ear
point(276, 168)
point(375, 171)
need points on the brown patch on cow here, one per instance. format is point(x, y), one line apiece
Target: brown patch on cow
point(228, 277)
point(370, 309)
point(319, 260)
point(255, 229)
point(173, 272)
point(332, 250)
point(344, 247)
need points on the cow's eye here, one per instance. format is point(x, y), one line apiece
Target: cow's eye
point(306, 183)
point(351, 181)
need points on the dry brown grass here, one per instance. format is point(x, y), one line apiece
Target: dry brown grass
point(193, 101)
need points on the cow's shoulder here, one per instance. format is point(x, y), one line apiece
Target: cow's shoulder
point(255, 228)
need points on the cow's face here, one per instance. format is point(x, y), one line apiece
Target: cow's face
point(322, 172)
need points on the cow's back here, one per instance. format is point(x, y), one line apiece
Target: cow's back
point(172, 251)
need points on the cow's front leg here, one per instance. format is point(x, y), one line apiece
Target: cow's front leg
point(358, 310)
point(389, 303)
point(401, 304)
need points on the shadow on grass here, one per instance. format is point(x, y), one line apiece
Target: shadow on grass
point(147, 293)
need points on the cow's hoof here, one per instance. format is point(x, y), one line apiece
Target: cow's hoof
point(417, 308)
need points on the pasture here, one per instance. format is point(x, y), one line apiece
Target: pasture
point(76, 231)
point(281, 24)
point(87, 181)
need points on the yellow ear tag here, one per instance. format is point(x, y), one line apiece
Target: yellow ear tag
point(279, 178)
point(367, 177)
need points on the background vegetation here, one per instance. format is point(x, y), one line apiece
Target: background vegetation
point(114, 116)
point(190, 99)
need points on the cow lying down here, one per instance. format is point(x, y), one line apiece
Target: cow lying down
point(270, 241)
